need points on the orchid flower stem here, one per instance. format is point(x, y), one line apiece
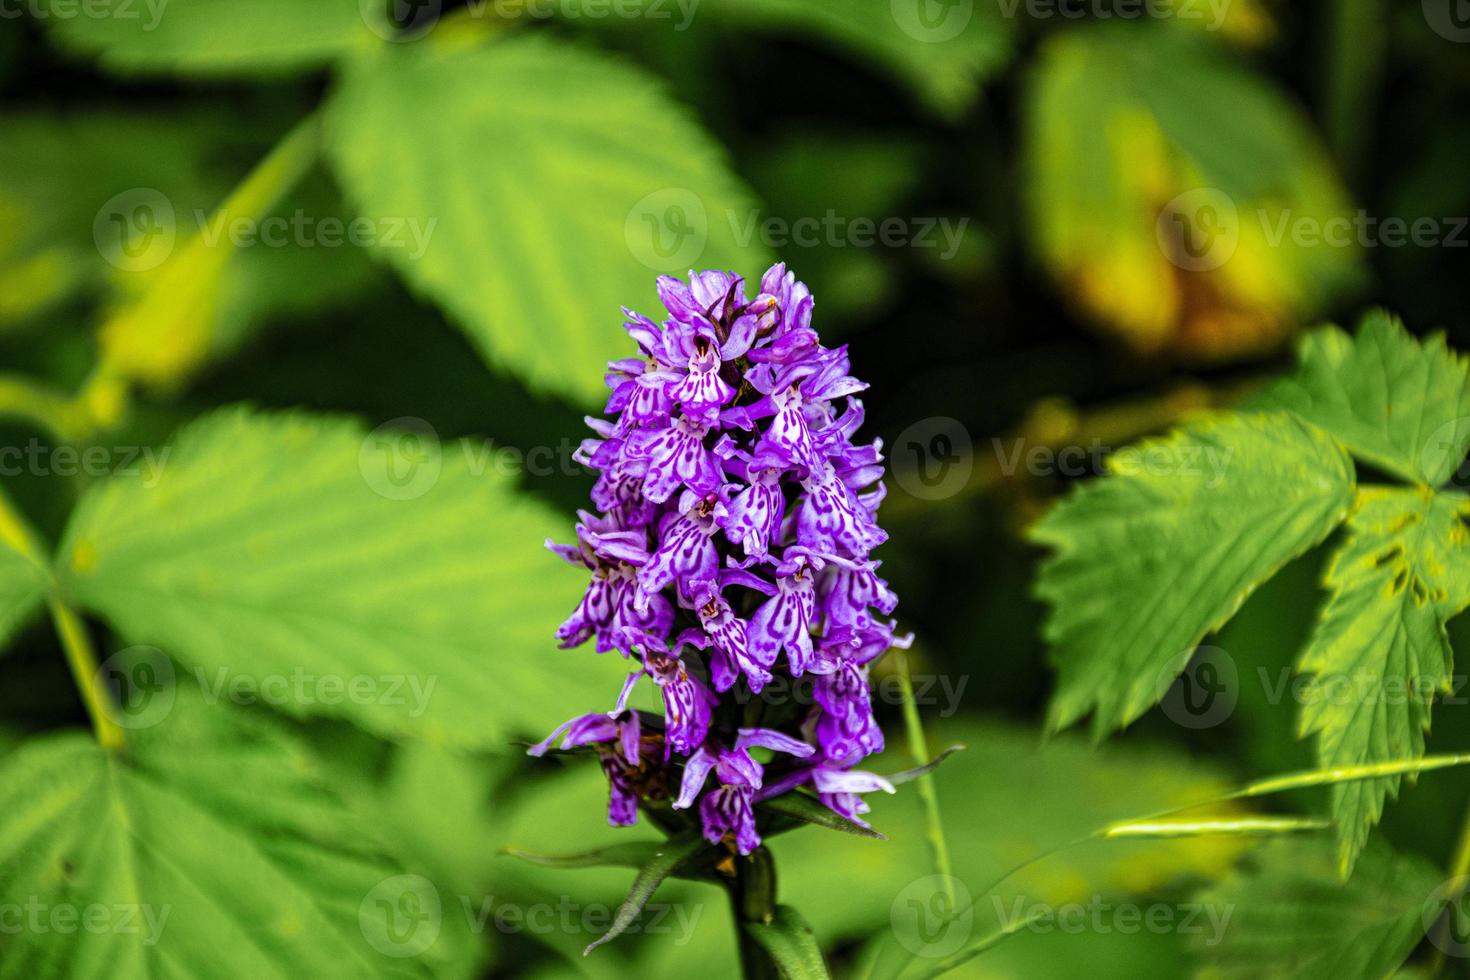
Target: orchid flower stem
point(919, 749)
point(753, 899)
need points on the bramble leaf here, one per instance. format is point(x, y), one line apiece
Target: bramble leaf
point(210, 849)
point(1290, 916)
point(1396, 402)
point(1379, 652)
point(549, 206)
point(1165, 186)
point(215, 37)
point(374, 577)
point(1165, 549)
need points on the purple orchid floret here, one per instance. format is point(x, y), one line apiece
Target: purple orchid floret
point(732, 544)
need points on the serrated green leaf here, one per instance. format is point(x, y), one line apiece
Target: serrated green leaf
point(1166, 548)
point(791, 944)
point(672, 853)
point(215, 37)
point(943, 52)
point(207, 851)
point(1396, 402)
point(1290, 916)
point(1379, 653)
point(1164, 185)
point(270, 548)
point(545, 200)
point(23, 575)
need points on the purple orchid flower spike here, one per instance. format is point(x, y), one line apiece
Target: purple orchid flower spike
point(731, 544)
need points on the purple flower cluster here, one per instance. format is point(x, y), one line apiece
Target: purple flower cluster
point(731, 544)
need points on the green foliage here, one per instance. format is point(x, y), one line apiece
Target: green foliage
point(215, 37)
point(943, 53)
point(212, 849)
point(791, 943)
point(1379, 651)
point(1291, 916)
point(1159, 178)
point(1166, 550)
point(1396, 403)
point(272, 546)
point(553, 204)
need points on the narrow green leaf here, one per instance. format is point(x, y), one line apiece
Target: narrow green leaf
point(801, 808)
point(630, 855)
point(669, 856)
point(1151, 558)
point(1290, 916)
point(301, 562)
point(1235, 826)
point(211, 849)
point(547, 207)
point(909, 775)
point(216, 37)
point(1397, 402)
point(1380, 653)
point(791, 943)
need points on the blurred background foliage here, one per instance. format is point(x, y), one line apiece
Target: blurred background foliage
point(556, 164)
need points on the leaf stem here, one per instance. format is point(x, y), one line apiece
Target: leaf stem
point(84, 670)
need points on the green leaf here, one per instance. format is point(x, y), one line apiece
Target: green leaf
point(1398, 403)
point(909, 775)
point(800, 809)
point(943, 52)
point(1166, 548)
point(210, 850)
point(1379, 652)
point(1165, 186)
point(550, 205)
point(1290, 916)
point(791, 943)
point(24, 579)
point(214, 37)
point(660, 866)
point(375, 577)
point(634, 854)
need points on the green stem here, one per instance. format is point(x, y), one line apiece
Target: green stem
point(83, 662)
point(753, 899)
point(17, 535)
point(928, 795)
point(1459, 868)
